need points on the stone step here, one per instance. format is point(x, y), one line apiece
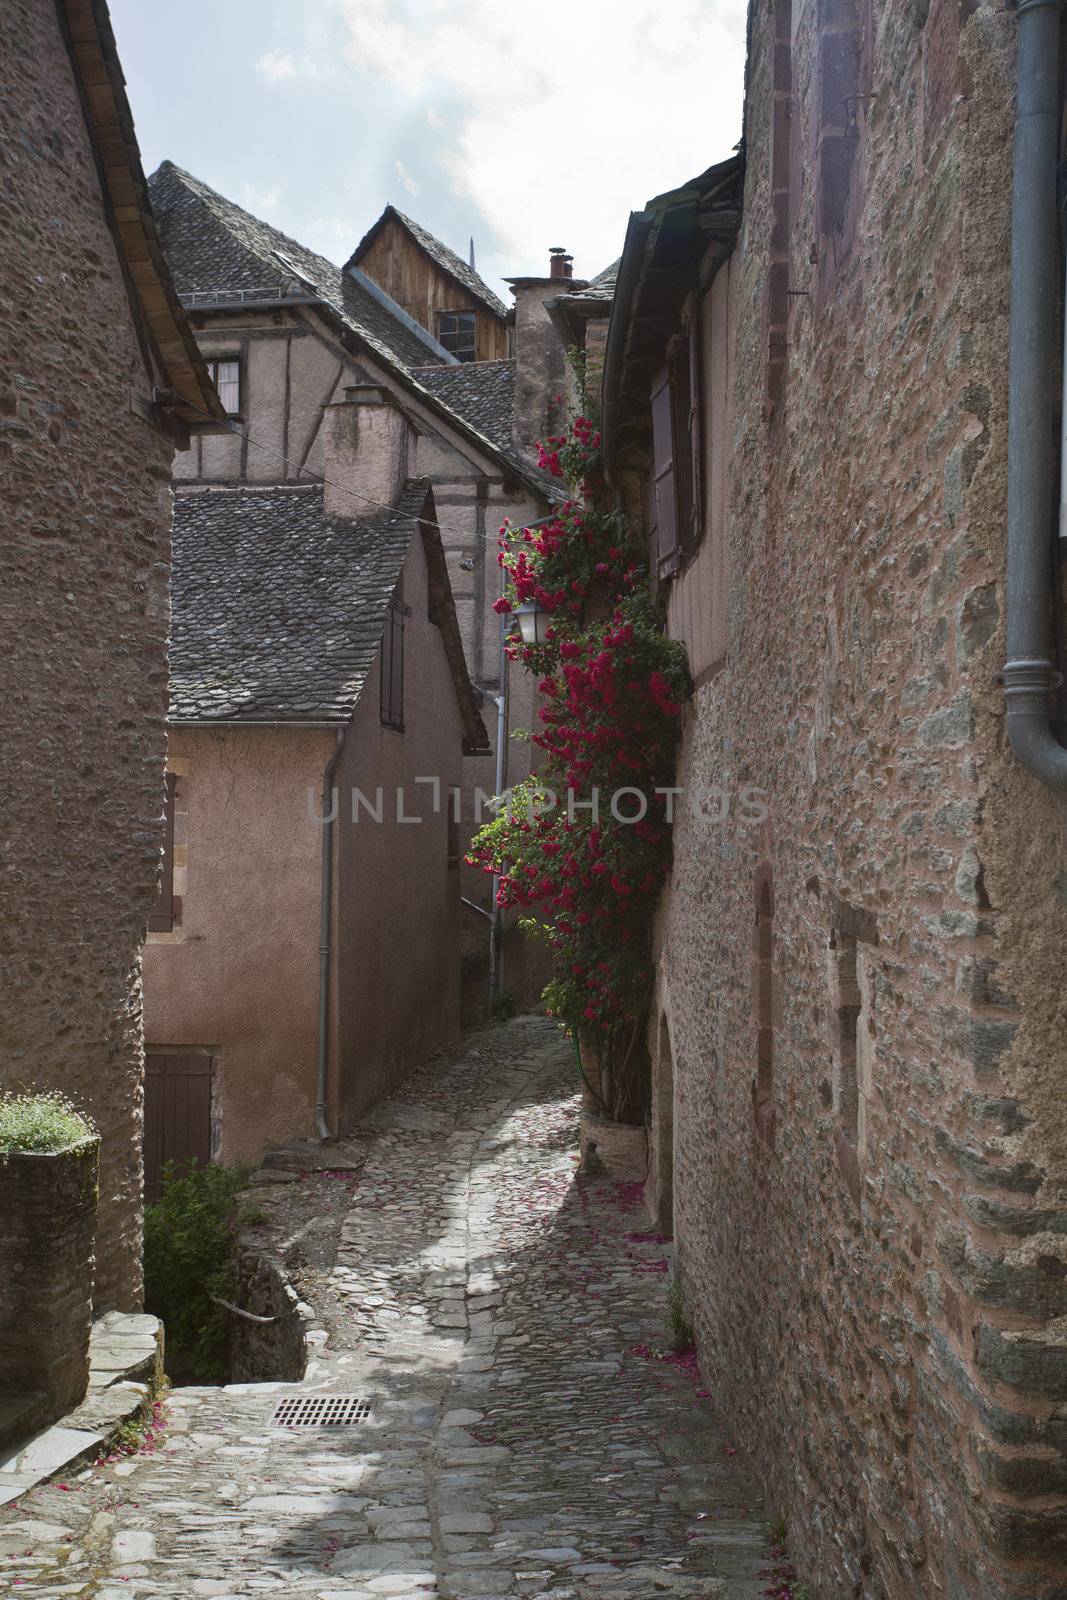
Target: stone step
point(21, 1413)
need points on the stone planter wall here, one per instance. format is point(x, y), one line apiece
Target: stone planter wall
point(47, 1236)
point(615, 1148)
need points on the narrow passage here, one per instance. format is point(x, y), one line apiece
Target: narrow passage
point(505, 1317)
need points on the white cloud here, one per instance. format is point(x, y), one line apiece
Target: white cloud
point(405, 177)
point(276, 67)
point(262, 202)
point(569, 116)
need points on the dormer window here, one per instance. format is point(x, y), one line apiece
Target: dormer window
point(455, 330)
point(225, 374)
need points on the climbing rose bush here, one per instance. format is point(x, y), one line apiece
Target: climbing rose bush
point(586, 875)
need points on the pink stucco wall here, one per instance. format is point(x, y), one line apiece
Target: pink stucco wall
point(239, 976)
point(399, 910)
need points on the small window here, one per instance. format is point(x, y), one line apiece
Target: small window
point(455, 330)
point(664, 500)
point(161, 918)
point(764, 983)
point(225, 374)
point(392, 698)
point(676, 438)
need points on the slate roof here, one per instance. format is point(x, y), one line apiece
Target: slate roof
point(608, 278)
point(446, 258)
point(277, 612)
point(215, 247)
point(482, 392)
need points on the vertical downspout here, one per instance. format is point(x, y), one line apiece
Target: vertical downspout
point(495, 918)
point(326, 932)
point(1028, 673)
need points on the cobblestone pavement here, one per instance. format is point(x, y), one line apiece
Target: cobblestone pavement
point(526, 1437)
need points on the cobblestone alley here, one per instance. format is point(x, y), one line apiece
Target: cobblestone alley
point(506, 1318)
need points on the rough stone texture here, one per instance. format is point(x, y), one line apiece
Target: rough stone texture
point(614, 1148)
point(85, 485)
point(882, 1309)
point(524, 1441)
point(47, 1233)
point(125, 1372)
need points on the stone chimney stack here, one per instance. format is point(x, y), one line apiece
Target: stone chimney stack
point(366, 448)
point(540, 357)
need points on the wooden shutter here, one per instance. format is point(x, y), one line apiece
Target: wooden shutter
point(663, 495)
point(693, 534)
point(177, 1113)
point(392, 699)
point(682, 458)
point(161, 919)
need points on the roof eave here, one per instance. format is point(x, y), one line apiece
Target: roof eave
point(98, 73)
point(665, 244)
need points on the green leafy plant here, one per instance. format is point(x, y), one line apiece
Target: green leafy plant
point(188, 1259)
point(41, 1123)
point(583, 848)
point(252, 1217)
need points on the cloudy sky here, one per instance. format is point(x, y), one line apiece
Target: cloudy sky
point(528, 124)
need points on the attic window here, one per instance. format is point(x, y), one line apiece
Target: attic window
point(300, 277)
point(455, 330)
point(225, 374)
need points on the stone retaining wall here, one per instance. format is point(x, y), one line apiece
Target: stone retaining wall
point(47, 1228)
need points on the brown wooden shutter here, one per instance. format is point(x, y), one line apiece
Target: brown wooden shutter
point(680, 429)
point(161, 919)
point(392, 699)
point(177, 1113)
point(695, 531)
point(663, 495)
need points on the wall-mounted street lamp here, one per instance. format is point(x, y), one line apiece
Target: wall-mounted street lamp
point(534, 623)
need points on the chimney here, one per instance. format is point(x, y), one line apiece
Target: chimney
point(560, 264)
point(365, 452)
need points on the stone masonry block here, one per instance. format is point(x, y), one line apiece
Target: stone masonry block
point(47, 1236)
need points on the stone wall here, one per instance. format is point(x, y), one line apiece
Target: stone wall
point(47, 1229)
point(877, 1271)
point(85, 486)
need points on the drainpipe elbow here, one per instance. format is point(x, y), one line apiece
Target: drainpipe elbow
point(1027, 685)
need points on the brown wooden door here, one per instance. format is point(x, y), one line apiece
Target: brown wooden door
point(177, 1112)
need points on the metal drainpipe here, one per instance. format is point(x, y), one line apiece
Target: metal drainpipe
point(326, 933)
point(498, 783)
point(1028, 673)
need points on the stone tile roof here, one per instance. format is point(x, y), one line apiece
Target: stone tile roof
point(482, 392)
point(445, 257)
point(216, 248)
point(278, 612)
point(608, 278)
point(219, 248)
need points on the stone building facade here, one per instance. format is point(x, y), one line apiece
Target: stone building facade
point(858, 1127)
point(301, 967)
point(295, 330)
point(99, 381)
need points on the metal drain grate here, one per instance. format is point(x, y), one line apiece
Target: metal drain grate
point(321, 1411)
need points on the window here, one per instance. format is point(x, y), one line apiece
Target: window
point(455, 330)
point(225, 374)
point(852, 1041)
point(777, 303)
point(161, 918)
point(392, 700)
point(677, 501)
point(763, 962)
